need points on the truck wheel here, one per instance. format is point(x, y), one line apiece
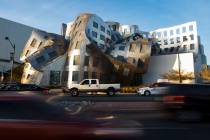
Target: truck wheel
point(147, 93)
point(74, 92)
point(110, 91)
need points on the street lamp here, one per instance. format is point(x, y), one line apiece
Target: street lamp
point(12, 55)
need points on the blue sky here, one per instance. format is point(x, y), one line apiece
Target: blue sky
point(148, 14)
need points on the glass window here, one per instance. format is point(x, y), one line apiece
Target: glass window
point(178, 40)
point(191, 28)
point(95, 24)
point(184, 47)
point(126, 72)
point(33, 42)
point(86, 61)
point(177, 31)
point(28, 76)
point(102, 37)
point(165, 42)
point(76, 60)
point(93, 82)
point(86, 82)
point(192, 46)
point(27, 52)
point(183, 29)
point(102, 28)
point(52, 54)
point(85, 75)
point(40, 59)
point(171, 32)
point(75, 75)
point(94, 34)
point(132, 47)
point(184, 38)
point(158, 34)
point(192, 37)
point(94, 75)
point(172, 41)
point(122, 48)
point(108, 32)
point(165, 33)
point(40, 44)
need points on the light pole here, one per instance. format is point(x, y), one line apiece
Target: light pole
point(12, 55)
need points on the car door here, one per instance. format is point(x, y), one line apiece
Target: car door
point(94, 86)
point(85, 86)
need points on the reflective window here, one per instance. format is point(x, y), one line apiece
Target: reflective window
point(93, 82)
point(102, 37)
point(177, 31)
point(183, 29)
point(184, 38)
point(165, 33)
point(171, 32)
point(192, 37)
point(94, 34)
point(33, 42)
point(76, 60)
point(75, 76)
point(95, 24)
point(178, 40)
point(52, 54)
point(192, 46)
point(102, 28)
point(86, 82)
point(172, 41)
point(191, 28)
point(40, 59)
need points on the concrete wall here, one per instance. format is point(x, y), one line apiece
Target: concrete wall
point(162, 64)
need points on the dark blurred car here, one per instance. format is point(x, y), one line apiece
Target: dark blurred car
point(27, 117)
point(188, 102)
point(23, 87)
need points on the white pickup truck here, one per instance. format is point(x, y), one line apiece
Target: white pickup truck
point(92, 85)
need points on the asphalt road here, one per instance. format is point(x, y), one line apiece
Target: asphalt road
point(148, 111)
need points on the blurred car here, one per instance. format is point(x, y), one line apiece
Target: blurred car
point(188, 102)
point(27, 117)
point(17, 87)
point(154, 89)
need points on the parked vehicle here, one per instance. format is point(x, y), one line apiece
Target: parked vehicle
point(154, 89)
point(92, 85)
point(188, 102)
point(29, 117)
point(23, 87)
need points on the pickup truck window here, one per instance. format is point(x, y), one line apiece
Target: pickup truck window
point(93, 82)
point(86, 82)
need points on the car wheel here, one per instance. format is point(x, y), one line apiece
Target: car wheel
point(74, 92)
point(147, 93)
point(111, 92)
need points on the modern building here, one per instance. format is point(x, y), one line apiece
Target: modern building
point(181, 39)
point(18, 34)
point(90, 48)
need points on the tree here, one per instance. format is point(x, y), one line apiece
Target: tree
point(205, 73)
point(174, 75)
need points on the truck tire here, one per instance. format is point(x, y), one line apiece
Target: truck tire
point(147, 93)
point(74, 92)
point(110, 91)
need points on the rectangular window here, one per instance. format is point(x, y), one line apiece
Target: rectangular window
point(172, 41)
point(158, 34)
point(28, 76)
point(52, 54)
point(76, 60)
point(75, 76)
point(102, 28)
point(126, 72)
point(40, 59)
point(121, 58)
point(95, 24)
point(184, 38)
point(77, 45)
point(165, 42)
point(184, 47)
point(165, 33)
point(191, 28)
point(102, 37)
point(33, 43)
point(94, 75)
point(86, 61)
point(122, 48)
point(40, 44)
point(27, 53)
point(85, 75)
point(93, 82)
point(192, 37)
point(177, 31)
point(101, 46)
point(132, 47)
point(192, 46)
point(171, 32)
point(183, 29)
point(108, 32)
point(178, 40)
point(94, 34)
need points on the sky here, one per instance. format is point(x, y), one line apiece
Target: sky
point(148, 14)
